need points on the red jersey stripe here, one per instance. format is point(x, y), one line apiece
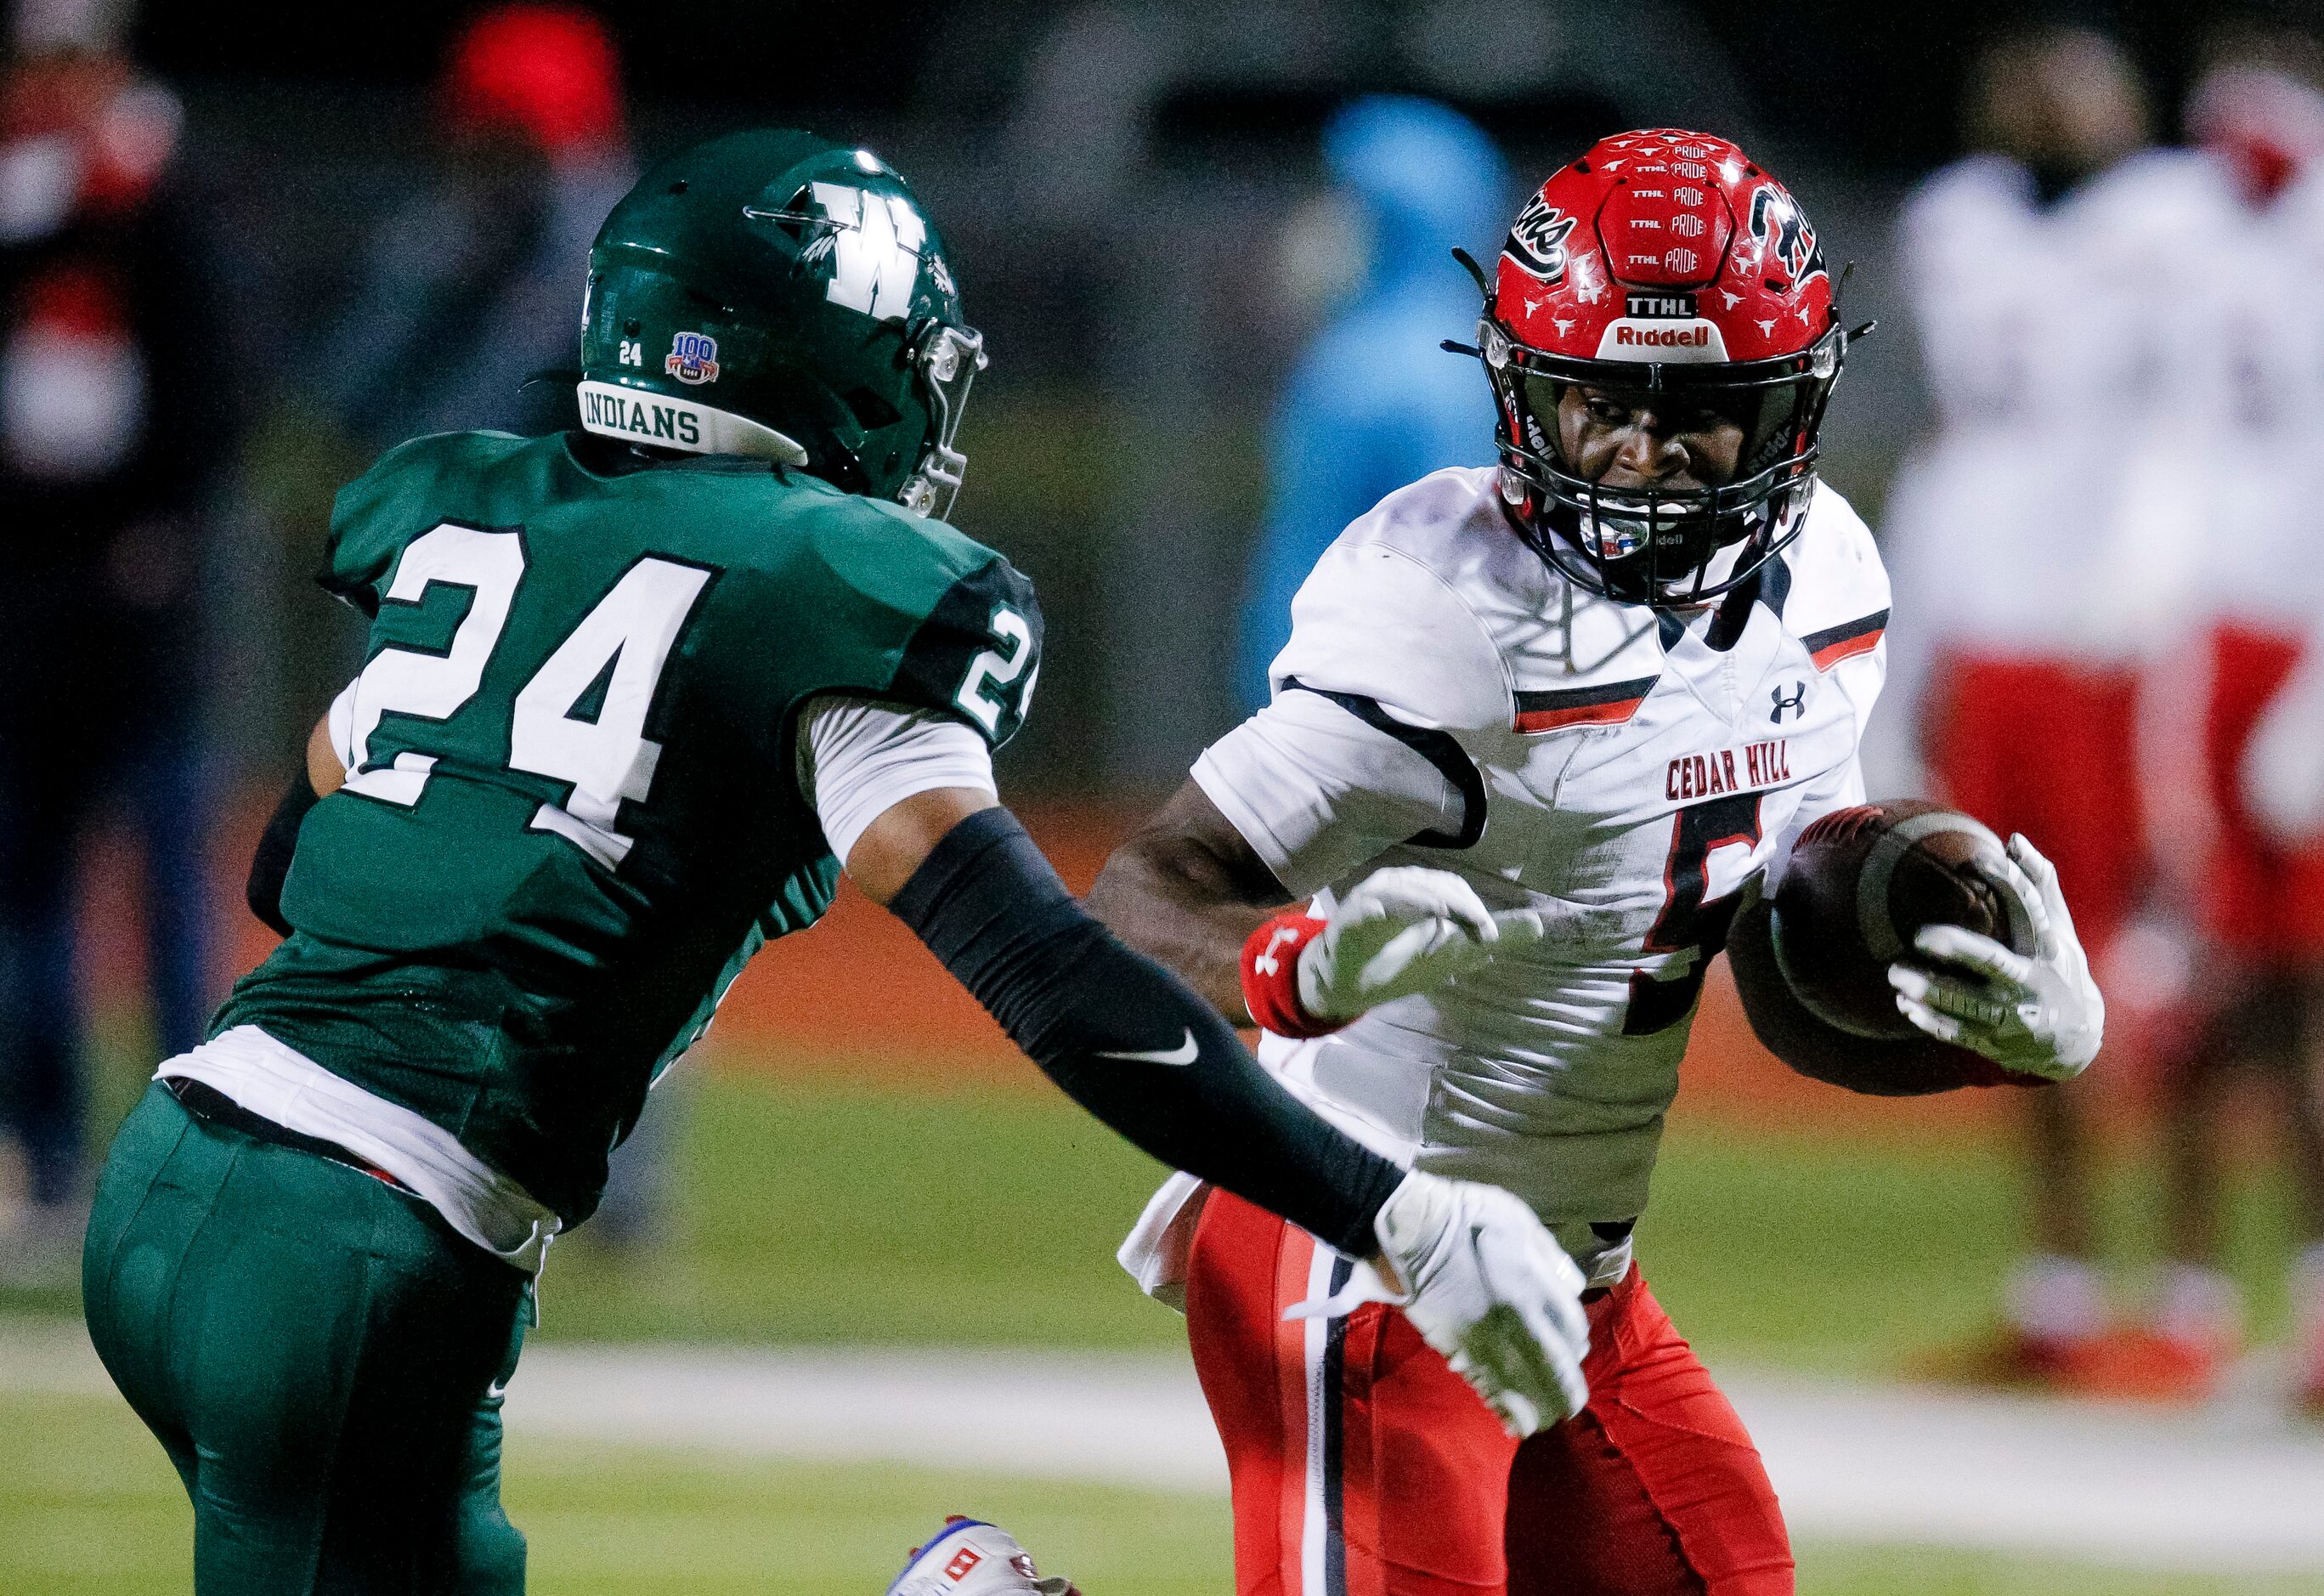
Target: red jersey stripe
point(1832, 654)
point(1608, 706)
point(1829, 647)
point(1578, 715)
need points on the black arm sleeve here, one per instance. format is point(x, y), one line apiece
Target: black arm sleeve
point(269, 866)
point(1130, 1041)
point(1912, 1066)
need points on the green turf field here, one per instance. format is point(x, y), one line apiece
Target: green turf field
point(1802, 1250)
point(88, 1507)
point(820, 1213)
point(825, 1213)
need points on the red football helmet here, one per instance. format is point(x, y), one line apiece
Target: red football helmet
point(1663, 265)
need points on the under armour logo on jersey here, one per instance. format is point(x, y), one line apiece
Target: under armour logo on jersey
point(1796, 701)
point(875, 249)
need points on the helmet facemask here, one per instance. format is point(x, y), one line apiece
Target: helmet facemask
point(1663, 271)
point(945, 360)
point(1646, 544)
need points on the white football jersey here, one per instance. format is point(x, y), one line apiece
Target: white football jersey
point(2048, 516)
point(2234, 479)
point(2016, 528)
point(1448, 700)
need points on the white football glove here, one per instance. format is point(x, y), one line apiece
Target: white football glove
point(2039, 1016)
point(1490, 1288)
point(1403, 930)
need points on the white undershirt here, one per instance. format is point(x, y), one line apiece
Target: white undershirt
point(858, 758)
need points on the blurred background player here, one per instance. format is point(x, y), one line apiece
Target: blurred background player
point(469, 285)
point(2232, 472)
point(2018, 624)
point(461, 280)
point(109, 424)
point(1373, 403)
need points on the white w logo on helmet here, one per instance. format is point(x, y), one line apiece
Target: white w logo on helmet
point(875, 248)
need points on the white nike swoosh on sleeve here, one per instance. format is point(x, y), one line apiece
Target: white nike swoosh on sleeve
point(1185, 1052)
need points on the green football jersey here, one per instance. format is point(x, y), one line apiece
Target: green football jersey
point(573, 813)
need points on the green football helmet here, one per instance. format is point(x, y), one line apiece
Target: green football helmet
point(773, 293)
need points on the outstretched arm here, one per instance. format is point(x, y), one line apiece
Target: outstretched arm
point(1191, 891)
point(1483, 1282)
point(1119, 1034)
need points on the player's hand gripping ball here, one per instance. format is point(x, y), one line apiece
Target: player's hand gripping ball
point(2039, 1014)
point(1904, 918)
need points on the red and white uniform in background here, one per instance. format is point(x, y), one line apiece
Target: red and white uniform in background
point(2038, 545)
point(1448, 700)
point(2233, 701)
point(82, 147)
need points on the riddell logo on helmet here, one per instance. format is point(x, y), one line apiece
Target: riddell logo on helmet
point(1668, 337)
point(1678, 341)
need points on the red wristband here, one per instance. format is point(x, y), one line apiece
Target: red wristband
point(1270, 975)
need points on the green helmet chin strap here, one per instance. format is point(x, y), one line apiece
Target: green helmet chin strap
point(776, 295)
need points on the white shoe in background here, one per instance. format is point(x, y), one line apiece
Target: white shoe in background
point(969, 1557)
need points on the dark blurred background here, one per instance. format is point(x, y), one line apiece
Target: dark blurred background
point(1120, 185)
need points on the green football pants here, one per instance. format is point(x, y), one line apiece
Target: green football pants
point(321, 1354)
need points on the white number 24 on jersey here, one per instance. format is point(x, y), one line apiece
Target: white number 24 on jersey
point(982, 694)
point(624, 640)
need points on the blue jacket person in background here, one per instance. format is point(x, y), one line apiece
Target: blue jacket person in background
point(1374, 403)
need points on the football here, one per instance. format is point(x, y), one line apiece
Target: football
point(1861, 884)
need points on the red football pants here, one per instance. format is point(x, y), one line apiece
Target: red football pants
point(1363, 1466)
point(2261, 900)
point(2048, 747)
